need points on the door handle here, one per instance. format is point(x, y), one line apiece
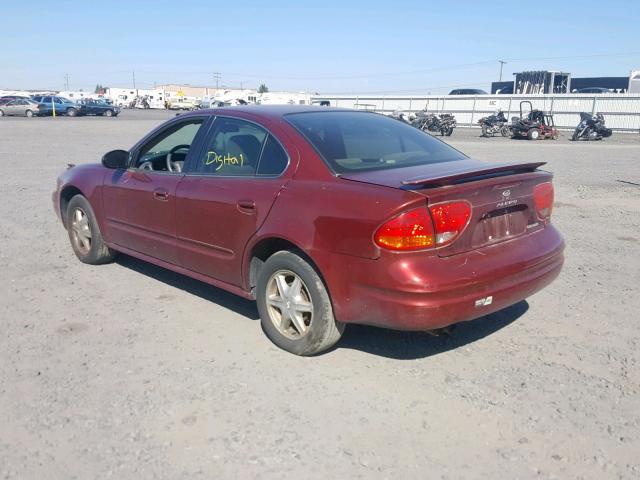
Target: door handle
point(246, 205)
point(161, 195)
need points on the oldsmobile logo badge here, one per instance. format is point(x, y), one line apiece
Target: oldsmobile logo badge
point(506, 201)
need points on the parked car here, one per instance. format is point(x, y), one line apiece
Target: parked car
point(324, 216)
point(21, 107)
point(593, 90)
point(182, 103)
point(99, 107)
point(63, 106)
point(467, 91)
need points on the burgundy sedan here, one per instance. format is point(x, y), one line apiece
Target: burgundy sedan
point(324, 216)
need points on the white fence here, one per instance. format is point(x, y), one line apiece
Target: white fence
point(621, 111)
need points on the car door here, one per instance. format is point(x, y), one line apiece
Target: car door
point(13, 107)
point(140, 202)
point(226, 195)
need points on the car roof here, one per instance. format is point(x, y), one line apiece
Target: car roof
point(268, 111)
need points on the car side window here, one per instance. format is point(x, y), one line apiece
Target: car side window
point(167, 151)
point(233, 149)
point(46, 100)
point(274, 159)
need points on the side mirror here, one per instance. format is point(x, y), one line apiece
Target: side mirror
point(116, 159)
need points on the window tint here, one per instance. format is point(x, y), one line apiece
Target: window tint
point(274, 159)
point(350, 141)
point(233, 149)
point(46, 100)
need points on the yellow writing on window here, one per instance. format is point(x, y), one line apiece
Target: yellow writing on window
point(219, 160)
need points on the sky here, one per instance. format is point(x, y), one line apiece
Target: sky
point(381, 47)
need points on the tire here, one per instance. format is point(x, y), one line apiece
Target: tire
point(108, 113)
point(448, 132)
point(485, 130)
point(319, 331)
point(505, 131)
point(80, 221)
point(72, 112)
point(533, 134)
point(1, 113)
point(29, 113)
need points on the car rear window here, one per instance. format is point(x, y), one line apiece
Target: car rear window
point(357, 141)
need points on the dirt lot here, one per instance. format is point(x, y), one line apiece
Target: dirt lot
point(127, 371)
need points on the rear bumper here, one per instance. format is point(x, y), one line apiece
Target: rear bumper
point(418, 292)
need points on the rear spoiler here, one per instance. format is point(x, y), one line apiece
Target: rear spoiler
point(474, 174)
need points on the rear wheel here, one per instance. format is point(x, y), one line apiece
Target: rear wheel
point(1, 113)
point(533, 134)
point(485, 130)
point(84, 234)
point(448, 131)
point(72, 112)
point(294, 305)
point(505, 131)
point(29, 113)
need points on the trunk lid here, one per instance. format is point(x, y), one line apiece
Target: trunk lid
point(501, 196)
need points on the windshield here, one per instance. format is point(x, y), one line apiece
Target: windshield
point(357, 141)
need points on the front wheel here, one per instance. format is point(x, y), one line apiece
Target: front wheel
point(485, 130)
point(72, 112)
point(1, 113)
point(447, 131)
point(109, 113)
point(84, 233)
point(295, 309)
point(533, 134)
point(505, 131)
point(29, 113)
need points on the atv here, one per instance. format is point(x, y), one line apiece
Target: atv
point(535, 126)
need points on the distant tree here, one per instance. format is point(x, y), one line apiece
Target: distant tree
point(99, 89)
point(263, 88)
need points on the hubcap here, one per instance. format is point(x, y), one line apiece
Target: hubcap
point(289, 304)
point(81, 231)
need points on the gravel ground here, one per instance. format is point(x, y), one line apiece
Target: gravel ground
point(128, 371)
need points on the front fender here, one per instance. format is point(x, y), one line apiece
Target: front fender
point(85, 179)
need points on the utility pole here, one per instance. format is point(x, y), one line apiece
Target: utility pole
point(66, 82)
point(502, 62)
point(134, 79)
point(216, 77)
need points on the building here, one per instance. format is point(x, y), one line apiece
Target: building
point(558, 82)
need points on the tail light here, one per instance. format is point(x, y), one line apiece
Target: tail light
point(543, 198)
point(449, 220)
point(412, 230)
point(417, 230)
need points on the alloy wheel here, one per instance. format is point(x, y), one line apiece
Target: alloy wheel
point(289, 304)
point(81, 230)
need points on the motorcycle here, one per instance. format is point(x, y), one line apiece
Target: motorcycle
point(591, 127)
point(431, 122)
point(495, 123)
